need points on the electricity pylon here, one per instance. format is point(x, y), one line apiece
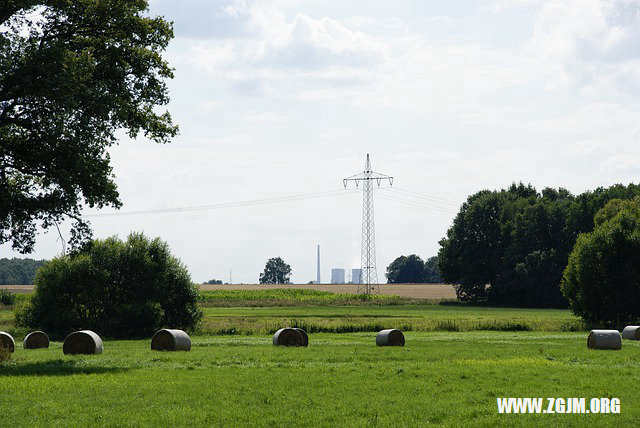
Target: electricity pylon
point(369, 279)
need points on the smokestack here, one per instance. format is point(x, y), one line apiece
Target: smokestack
point(318, 274)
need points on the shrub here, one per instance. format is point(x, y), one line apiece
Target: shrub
point(117, 289)
point(7, 298)
point(602, 278)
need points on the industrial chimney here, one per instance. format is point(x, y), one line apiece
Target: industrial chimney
point(318, 274)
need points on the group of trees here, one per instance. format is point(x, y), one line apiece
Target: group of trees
point(19, 271)
point(118, 289)
point(511, 247)
point(412, 270)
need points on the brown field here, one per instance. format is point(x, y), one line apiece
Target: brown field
point(419, 291)
point(17, 288)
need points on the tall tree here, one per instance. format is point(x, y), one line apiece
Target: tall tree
point(407, 270)
point(71, 74)
point(276, 271)
point(602, 278)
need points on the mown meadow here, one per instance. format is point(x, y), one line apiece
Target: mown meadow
point(457, 360)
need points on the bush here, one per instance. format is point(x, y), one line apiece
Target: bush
point(7, 298)
point(118, 289)
point(602, 278)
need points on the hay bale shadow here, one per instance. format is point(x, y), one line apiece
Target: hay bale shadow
point(56, 368)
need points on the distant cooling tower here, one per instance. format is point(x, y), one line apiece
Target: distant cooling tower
point(337, 276)
point(356, 276)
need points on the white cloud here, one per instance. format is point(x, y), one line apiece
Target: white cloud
point(265, 117)
point(591, 44)
point(337, 133)
point(212, 105)
point(596, 117)
point(622, 162)
point(587, 148)
point(237, 9)
point(499, 6)
point(213, 56)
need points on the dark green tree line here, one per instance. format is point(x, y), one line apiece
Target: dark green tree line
point(510, 247)
point(19, 271)
point(412, 270)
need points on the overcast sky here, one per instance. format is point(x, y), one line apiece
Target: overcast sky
point(280, 98)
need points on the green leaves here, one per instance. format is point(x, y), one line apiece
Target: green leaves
point(119, 289)
point(71, 74)
point(407, 270)
point(602, 277)
point(276, 271)
point(510, 247)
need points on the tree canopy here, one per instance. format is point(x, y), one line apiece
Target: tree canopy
point(407, 270)
point(602, 277)
point(71, 74)
point(434, 276)
point(19, 271)
point(119, 289)
point(276, 271)
point(510, 247)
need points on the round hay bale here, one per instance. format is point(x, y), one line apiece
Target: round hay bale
point(390, 337)
point(604, 339)
point(36, 340)
point(287, 337)
point(305, 336)
point(631, 332)
point(170, 340)
point(82, 342)
point(7, 342)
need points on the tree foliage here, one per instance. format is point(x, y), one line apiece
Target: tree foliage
point(71, 74)
point(118, 289)
point(434, 276)
point(407, 270)
point(510, 247)
point(602, 278)
point(276, 271)
point(19, 271)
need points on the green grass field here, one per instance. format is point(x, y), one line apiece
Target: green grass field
point(456, 362)
point(450, 378)
point(348, 319)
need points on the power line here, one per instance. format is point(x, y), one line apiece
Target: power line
point(433, 205)
point(422, 201)
point(265, 201)
point(416, 204)
point(427, 197)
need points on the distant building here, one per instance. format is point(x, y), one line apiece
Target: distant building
point(337, 276)
point(356, 276)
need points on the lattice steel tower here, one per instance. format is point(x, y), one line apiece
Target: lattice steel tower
point(369, 279)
